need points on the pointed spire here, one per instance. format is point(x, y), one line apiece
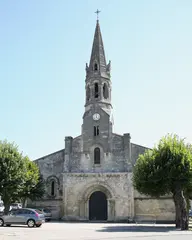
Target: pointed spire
point(97, 61)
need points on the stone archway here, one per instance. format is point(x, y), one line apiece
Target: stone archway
point(98, 206)
point(87, 194)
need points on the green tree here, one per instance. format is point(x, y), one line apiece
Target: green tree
point(12, 173)
point(167, 169)
point(38, 191)
point(31, 179)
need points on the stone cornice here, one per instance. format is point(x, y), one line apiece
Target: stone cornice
point(153, 198)
point(49, 199)
point(97, 174)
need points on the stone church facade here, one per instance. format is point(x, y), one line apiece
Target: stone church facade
point(91, 179)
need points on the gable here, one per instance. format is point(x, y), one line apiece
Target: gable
point(136, 150)
point(52, 163)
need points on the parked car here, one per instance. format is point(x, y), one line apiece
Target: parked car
point(190, 213)
point(15, 206)
point(1, 207)
point(23, 216)
point(47, 213)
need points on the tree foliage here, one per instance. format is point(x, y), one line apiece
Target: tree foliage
point(149, 175)
point(19, 177)
point(31, 179)
point(38, 191)
point(12, 175)
point(166, 169)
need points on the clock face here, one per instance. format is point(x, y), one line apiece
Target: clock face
point(96, 116)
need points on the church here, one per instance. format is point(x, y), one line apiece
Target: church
point(91, 178)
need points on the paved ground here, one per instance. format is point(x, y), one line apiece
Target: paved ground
point(93, 231)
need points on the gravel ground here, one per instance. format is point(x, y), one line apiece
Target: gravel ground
point(93, 231)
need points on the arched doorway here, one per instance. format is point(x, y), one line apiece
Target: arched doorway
point(98, 206)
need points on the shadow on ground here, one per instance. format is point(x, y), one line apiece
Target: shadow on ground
point(136, 229)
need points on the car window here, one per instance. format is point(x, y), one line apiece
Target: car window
point(38, 211)
point(47, 211)
point(14, 211)
point(20, 211)
point(26, 211)
point(10, 213)
point(31, 212)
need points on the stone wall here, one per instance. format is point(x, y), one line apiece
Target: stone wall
point(51, 168)
point(56, 206)
point(51, 164)
point(116, 159)
point(161, 209)
point(79, 187)
point(149, 208)
point(136, 150)
point(76, 176)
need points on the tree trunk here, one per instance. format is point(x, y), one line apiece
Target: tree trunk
point(7, 207)
point(6, 203)
point(177, 212)
point(184, 217)
point(181, 202)
point(24, 202)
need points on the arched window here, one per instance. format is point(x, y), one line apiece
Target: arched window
point(52, 185)
point(53, 188)
point(105, 91)
point(95, 67)
point(88, 93)
point(96, 90)
point(97, 155)
point(96, 131)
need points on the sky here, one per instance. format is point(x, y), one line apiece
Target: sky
point(45, 44)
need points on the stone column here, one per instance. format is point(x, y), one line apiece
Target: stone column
point(111, 209)
point(82, 209)
point(64, 196)
point(87, 209)
point(68, 150)
point(127, 150)
point(131, 193)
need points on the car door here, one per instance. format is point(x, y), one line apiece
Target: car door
point(27, 215)
point(11, 217)
point(19, 216)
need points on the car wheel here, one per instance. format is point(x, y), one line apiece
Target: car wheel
point(31, 223)
point(1, 222)
point(38, 225)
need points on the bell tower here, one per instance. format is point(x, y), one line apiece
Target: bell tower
point(97, 82)
point(97, 118)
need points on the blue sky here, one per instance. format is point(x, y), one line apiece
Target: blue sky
point(44, 46)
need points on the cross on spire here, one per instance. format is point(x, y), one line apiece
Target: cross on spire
point(97, 12)
point(98, 53)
